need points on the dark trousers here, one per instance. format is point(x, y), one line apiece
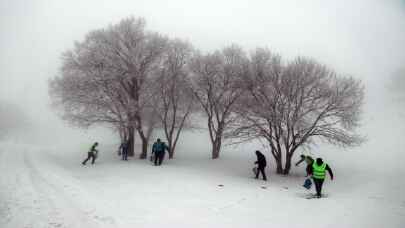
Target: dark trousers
point(90, 155)
point(260, 169)
point(124, 153)
point(309, 169)
point(159, 157)
point(318, 186)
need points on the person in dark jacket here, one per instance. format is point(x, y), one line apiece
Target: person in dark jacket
point(308, 160)
point(158, 150)
point(92, 153)
point(261, 165)
point(318, 173)
point(124, 149)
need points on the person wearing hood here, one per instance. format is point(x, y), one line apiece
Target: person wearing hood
point(261, 165)
point(308, 160)
point(318, 173)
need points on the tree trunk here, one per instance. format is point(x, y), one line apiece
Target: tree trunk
point(171, 154)
point(171, 151)
point(170, 145)
point(287, 167)
point(131, 138)
point(279, 166)
point(144, 153)
point(216, 147)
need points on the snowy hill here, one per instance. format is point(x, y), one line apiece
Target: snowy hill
point(43, 187)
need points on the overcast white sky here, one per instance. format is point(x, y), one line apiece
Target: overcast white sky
point(365, 38)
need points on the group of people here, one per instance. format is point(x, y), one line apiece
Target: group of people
point(315, 169)
point(158, 152)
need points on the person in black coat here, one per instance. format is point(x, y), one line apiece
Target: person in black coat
point(124, 149)
point(261, 165)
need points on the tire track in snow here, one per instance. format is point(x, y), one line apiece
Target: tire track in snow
point(5, 197)
point(61, 210)
point(16, 193)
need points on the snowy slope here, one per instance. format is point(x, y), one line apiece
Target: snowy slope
point(44, 184)
point(44, 188)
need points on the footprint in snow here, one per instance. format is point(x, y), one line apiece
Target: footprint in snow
point(376, 197)
point(54, 224)
point(107, 219)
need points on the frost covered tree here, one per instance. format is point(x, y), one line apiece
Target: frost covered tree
point(87, 96)
point(173, 100)
point(295, 104)
point(216, 79)
point(107, 79)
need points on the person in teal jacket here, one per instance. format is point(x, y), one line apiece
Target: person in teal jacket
point(158, 150)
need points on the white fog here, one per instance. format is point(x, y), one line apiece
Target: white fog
point(364, 39)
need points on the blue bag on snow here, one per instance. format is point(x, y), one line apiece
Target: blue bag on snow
point(307, 183)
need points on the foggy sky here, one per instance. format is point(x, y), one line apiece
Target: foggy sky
point(364, 38)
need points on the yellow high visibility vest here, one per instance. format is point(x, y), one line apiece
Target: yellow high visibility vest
point(319, 171)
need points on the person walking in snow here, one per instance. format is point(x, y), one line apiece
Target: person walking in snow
point(124, 149)
point(158, 150)
point(308, 160)
point(92, 153)
point(261, 165)
point(318, 173)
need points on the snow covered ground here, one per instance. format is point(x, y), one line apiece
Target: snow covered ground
point(43, 184)
point(48, 187)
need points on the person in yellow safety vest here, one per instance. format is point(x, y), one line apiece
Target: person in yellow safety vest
point(318, 173)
